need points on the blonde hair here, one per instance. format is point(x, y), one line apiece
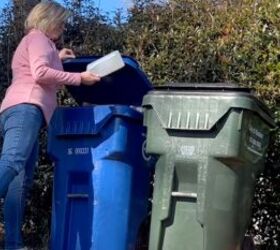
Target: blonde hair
point(46, 16)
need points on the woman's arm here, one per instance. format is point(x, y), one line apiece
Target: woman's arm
point(40, 52)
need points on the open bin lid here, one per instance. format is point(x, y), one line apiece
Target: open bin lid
point(126, 86)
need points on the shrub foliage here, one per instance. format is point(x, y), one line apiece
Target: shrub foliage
point(175, 41)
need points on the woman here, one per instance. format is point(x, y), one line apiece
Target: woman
point(28, 105)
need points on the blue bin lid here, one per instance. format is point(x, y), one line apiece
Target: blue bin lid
point(126, 86)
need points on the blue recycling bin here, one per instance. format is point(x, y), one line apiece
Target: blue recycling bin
point(101, 173)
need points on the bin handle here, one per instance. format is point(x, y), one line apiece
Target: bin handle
point(184, 195)
point(77, 196)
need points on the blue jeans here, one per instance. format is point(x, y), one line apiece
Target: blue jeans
point(20, 126)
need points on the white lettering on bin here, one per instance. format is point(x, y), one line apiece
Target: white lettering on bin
point(78, 151)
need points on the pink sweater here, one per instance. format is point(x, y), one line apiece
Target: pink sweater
point(37, 74)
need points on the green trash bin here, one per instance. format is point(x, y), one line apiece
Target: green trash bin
point(211, 141)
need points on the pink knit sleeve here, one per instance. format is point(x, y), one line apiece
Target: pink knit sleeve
point(40, 53)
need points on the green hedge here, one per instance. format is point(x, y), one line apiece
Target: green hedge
point(182, 41)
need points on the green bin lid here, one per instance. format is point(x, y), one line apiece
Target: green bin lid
point(223, 89)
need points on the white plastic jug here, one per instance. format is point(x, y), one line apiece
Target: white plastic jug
point(106, 64)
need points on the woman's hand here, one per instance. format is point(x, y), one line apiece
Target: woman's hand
point(66, 54)
point(89, 78)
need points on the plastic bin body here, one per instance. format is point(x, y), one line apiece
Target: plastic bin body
point(101, 174)
point(101, 180)
point(211, 146)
